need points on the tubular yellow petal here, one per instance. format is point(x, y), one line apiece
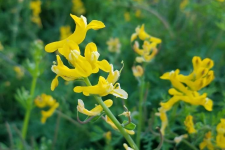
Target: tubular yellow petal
point(142, 34)
point(196, 62)
point(131, 132)
point(54, 83)
point(207, 63)
point(95, 24)
point(104, 65)
point(173, 91)
point(49, 113)
point(78, 20)
point(133, 37)
point(51, 47)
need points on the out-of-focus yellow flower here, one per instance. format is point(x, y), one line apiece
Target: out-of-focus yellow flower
point(65, 31)
point(1, 47)
point(114, 45)
point(220, 138)
point(46, 101)
point(108, 135)
point(137, 71)
point(127, 147)
point(78, 7)
point(163, 118)
point(127, 16)
point(35, 6)
point(19, 72)
point(178, 139)
point(207, 142)
point(184, 4)
point(104, 86)
point(138, 13)
point(109, 121)
point(220, 0)
point(77, 37)
point(140, 32)
point(7, 83)
point(95, 111)
point(189, 124)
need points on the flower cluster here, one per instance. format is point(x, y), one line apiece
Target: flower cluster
point(35, 6)
point(114, 45)
point(185, 88)
point(46, 101)
point(84, 66)
point(207, 142)
point(149, 47)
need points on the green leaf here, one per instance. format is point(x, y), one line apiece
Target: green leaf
point(130, 126)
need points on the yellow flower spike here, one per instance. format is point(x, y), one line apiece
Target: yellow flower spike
point(95, 111)
point(109, 121)
point(163, 118)
point(138, 71)
point(65, 31)
point(49, 113)
point(220, 138)
point(189, 124)
point(92, 55)
point(178, 139)
point(127, 147)
point(207, 142)
point(79, 34)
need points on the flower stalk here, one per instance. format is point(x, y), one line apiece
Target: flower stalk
point(113, 118)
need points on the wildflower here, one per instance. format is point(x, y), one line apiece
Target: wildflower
point(46, 101)
point(184, 4)
point(114, 45)
point(95, 111)
point(104, 86)
point(1, 47)
point(164, 119)
point(127, 16)
point(78, 35)
point(137, 71)
point(220, 138)
point(64, 32)
point(207, 142)
point(109, 121)
point(19, 72)
point(78, 7)
point(108, 135)
point(138, 13)
point(178, 139)
point(35, 6)
point(189, 124)
point(127, 147)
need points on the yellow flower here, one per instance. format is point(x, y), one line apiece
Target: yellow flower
point(114, 45)
point(189, 124)
point(19, 72)
point(220, 0)
point(108, 135)
point(79, 34)
point(207, 142)
point(137, 71)
point(138, 13)
point(104, 86)
point(109, 121)
point(163, 118)
point(35, 6)
point(64, 32)
point(140, 32)
point(127, 16)
point(95, 111)
point(220, 138)
point(184, 4)
point(1, 47)
point(178, 139)
point(78, 7)
point(127, 147)
point(46, 101)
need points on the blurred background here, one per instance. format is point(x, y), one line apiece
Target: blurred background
point(187, 28)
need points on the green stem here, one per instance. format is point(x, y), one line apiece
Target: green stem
point(113, 118)
point(140, 112)
point(29, 108)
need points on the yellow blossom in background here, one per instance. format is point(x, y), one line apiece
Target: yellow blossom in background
point(78, 7)
point(220, 0)
point(114, 45)
point(138, 71)
point(35, 6)
point(189, 124)
point(7, 83)
point(220, 138)
point(65, 31)
point(109, 121)
point(95, 111)
point(184, 4)
point(207, 142)
point(127, 147)
point(138, 13)
point(1, 47)
point(178, 139)
point(46, 101)
point(108, 135)
point(19, 72)
point(163, 118)
point(127, 16)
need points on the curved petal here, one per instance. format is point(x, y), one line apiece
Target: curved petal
point(54, 83)
point(51, 47)
point(95, 24)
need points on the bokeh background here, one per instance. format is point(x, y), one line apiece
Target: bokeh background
point(187, 28)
